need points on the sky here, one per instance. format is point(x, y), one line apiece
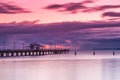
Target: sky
point(75, 24)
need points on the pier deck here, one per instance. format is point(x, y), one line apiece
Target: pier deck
point(30, 52)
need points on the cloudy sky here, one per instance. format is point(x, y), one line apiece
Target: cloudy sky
point(79, 24)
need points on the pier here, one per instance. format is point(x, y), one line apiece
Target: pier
point(32, 49)
point(28, 52)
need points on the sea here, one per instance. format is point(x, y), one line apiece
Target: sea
point(82, 66)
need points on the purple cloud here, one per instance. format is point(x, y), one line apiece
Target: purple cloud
point(80, 7)
point(7, 8)
point(74, 7)
point(111, 14)
point(69, 7)
point(54, 6)
point(84, 35)
point(101, 8)
point(113, 19)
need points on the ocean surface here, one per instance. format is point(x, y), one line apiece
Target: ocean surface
point(84, 66)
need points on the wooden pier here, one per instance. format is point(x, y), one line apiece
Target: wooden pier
point(30, 52)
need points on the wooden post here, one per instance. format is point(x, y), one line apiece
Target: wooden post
point(113, 53)
point(75, 53)
point(93, 52)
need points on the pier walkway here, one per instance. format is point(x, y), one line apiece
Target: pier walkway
point(30, 52)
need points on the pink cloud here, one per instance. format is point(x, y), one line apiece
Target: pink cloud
point(7, 8)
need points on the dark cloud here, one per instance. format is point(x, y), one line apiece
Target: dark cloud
point(85, 35)
point(7, 8)
point(112, 43)
point(69, 7)
point(113, 19)
point(74, 7)
point(111, 14)
point(54, 6)
point(88, 1)
point(80, 7)
point(101, 8)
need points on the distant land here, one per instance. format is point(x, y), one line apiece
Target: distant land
point(107, 49)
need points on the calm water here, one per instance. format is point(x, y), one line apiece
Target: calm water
point(62, 67)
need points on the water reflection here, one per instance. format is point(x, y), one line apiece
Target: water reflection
point(83, 66)
point(111, 69)
point(51, 70)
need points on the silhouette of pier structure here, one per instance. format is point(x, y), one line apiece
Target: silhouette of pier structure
point(34, 50)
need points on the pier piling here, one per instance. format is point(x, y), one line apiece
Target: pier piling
point(30, 52)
